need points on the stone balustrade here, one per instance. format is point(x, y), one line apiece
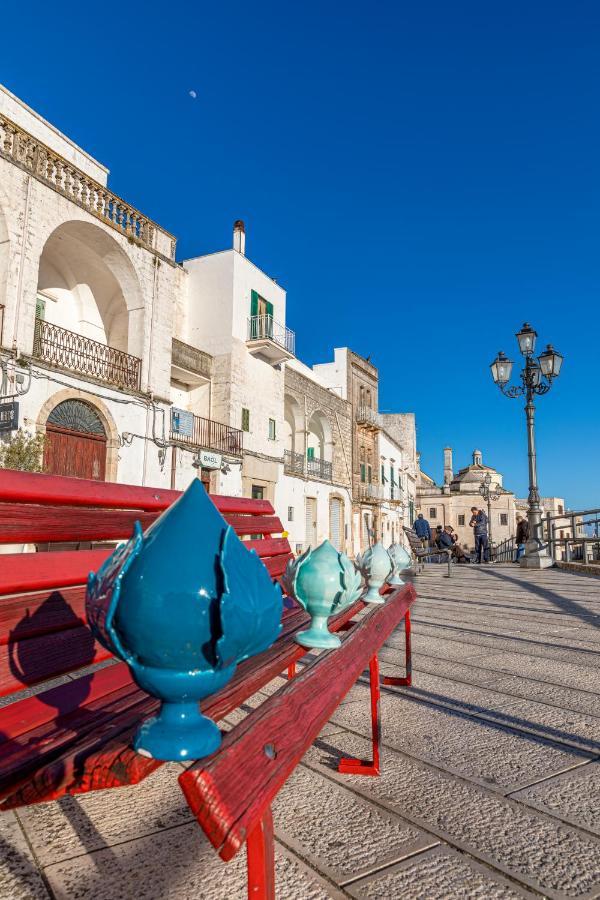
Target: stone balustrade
point(52, 169)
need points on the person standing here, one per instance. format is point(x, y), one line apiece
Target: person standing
point(522, 536)
point(479, 524)
point(422, 529)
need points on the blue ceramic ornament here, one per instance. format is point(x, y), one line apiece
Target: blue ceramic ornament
point(375, 565)
point(401, 560)
point(324, 582)
point(182, 604)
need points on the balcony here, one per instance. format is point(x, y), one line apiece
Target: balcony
point(368, 418)
point(270, 340)
point(190, 366)
point(369, 493)
point(195, 431)
point(49, 167)
point(293, 463)
point(82, 355)
point(319, 468)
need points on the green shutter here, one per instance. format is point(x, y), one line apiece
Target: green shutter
point(253, 303)
point(269, 309)
point(310, 453)
point(245, 419)
point(40, 308)
point(363, 473)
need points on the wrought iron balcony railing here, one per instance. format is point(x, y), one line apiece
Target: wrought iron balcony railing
point(319, 468)
point(82, 355)
point(368, 417)
point(44, 164)
point(196, 431)
point(261, 328)
point(293, 463)
point(369, 493)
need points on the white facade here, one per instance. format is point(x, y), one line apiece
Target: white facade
point(87, 286)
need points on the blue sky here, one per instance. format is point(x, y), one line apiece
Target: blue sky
point(421, 177)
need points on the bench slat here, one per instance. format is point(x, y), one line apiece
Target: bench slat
point(229, 793)
point(31, 524)
point(27, 487)
point(20, 572)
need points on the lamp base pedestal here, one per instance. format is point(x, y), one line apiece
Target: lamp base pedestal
point(536, 560)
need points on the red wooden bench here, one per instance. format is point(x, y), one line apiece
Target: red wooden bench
point(76, 737)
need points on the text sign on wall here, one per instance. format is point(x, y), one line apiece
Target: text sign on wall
point(9, 416)
point(182, 422)
point(210, 460)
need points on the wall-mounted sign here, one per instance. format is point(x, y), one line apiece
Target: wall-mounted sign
point(210, 460)
point(182, 422)
point(9, 416)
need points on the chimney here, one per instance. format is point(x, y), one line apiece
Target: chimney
point(239, 237)
point(477, 458)
point(448, 473)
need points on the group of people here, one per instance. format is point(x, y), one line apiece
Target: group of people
point(445, 538)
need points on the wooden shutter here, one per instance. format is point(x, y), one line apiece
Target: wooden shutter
point(335, 523)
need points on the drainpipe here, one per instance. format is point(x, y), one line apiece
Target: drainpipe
point(22, 262)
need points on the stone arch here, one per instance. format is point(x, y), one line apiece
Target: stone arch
point(90, 286)
point(319, 435)
point(112, 434)
point(293, 420)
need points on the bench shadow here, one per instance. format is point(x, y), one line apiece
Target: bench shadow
point(564, 604)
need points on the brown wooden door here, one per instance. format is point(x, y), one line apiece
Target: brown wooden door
point(74, 453)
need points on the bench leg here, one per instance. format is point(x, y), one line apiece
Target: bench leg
point(403, 682)
point(365, 766)
point(260, 850)
point(291, 672)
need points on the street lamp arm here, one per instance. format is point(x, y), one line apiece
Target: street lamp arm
point(515, 390)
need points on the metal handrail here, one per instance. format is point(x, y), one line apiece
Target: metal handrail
point(319, 468)
point(83, 355)
point(573, 546)
point(207, 434)
point(262, 328)
point(293, 463)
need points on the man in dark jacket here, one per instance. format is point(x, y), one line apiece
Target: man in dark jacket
point(422, 528)
point(447, 541)
point(522, 536)
point(479, 524)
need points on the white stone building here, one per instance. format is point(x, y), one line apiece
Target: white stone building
point(87, 292)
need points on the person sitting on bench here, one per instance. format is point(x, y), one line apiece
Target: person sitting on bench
point(449, 541)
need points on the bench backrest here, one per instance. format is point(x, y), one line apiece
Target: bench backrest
point(43, 631)
point(413, 538)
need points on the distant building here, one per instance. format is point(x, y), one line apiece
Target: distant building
point(451, 502)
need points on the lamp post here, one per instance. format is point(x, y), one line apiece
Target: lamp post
point(485, 489)
point(537, 376)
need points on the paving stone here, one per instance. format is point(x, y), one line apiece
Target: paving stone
point(437, 873)
point(75, 825)
point(339, 834)
point(574, 796)
point(562, 696)
point(575, 674)
point(20, 878)
point(486, 752)
point(177, 864)
point(540, 852)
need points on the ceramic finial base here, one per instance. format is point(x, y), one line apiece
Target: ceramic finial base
point(318, 637)
point(178, 733)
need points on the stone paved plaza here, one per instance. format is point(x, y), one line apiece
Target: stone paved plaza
point(490, 784)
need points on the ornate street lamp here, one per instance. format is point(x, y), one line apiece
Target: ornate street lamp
point(536, 378)
point(485, 489)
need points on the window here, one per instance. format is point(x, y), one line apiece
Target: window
point(461, 520)
point(271, 429)
point(290, 513)
point(310, 452)
point(258, 492)
point(560, 509)
point(40, 308)
point(504, 518)
point(383, 478)
point(245, 419)
point(432, 512)
point(369, 474)
point(363, 472)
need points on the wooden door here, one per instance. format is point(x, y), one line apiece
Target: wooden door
point(74, 453)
